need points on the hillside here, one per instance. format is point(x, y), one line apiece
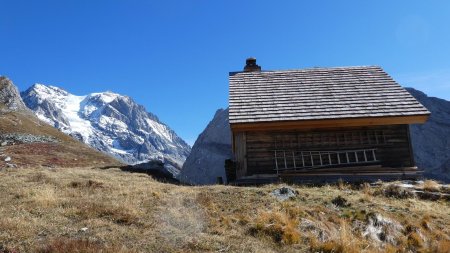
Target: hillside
point(109, 122)
point(29, 142)
point(95, 210)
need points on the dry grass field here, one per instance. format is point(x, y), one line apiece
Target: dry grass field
point(95, 210)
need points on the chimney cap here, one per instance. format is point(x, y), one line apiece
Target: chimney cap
point(251, 59)
point(251, 66)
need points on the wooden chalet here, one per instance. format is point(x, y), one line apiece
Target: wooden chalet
point(321, 124)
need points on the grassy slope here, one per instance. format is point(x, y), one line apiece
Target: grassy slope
point(67, 153)
point(44, 210)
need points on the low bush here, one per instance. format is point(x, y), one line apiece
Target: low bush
point(340, 202)
point(395, 191)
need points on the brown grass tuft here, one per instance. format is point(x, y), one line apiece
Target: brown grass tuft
point(394, 191)
point(431, 186)
point(66, 245)
point(327, 247)
point(89, 184)
point(341, 184)
point(366, 188)
point(118, 214)
point(415, 241)
point(443, 246)
point(344, 243)
point(425, 222)
point(278, 226)
point(44, 196)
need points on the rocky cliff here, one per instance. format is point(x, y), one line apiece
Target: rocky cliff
point(9, 96)
point(431, 141)
point(208, 155)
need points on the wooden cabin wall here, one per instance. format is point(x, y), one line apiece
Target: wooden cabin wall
point(256, 156)
point(240, 153)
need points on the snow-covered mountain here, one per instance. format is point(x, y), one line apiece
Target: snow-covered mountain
point(109, 122)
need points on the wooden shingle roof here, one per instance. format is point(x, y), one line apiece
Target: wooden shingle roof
point(318, 93)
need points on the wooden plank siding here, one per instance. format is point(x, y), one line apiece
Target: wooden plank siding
point(240, 153)
point(254, 151)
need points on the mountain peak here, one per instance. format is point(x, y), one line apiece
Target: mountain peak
point(109, 122)
point(48, 89)
point(106, 97)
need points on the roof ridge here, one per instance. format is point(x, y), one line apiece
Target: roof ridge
point(312, 68)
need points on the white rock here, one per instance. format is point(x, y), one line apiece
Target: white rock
point(381, 229)
point(84, 229)
point(8, 159)
point(284, 193)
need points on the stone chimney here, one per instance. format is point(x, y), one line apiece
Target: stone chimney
point(251, 66)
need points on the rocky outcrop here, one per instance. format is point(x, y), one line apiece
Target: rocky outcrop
point(162, 171)
point(108, 122)
point(9, 96)
point(431, 141)
point(211, 149)
point(13, 138)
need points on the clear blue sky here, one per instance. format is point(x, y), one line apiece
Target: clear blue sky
point(173, 57)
